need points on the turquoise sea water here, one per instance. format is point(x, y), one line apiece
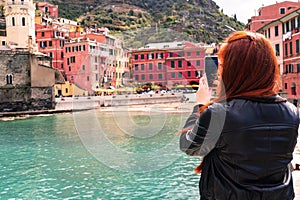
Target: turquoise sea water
point(95, 155)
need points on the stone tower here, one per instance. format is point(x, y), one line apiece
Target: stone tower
point(20, 26)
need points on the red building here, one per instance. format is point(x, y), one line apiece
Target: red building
point(291, 55)
point(48, 9)
point(51, 39)
point(168, 64)
point(270, 13)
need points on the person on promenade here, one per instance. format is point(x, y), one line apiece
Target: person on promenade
point(248, 133)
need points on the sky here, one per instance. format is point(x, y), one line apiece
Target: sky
point(244, 9)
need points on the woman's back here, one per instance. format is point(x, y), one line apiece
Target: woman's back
point(253, 151)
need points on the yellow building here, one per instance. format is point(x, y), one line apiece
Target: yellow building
point(68, 89)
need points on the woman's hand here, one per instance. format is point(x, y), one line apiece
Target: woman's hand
point(203, 93)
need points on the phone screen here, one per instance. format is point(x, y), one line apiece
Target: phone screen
point(211, 69)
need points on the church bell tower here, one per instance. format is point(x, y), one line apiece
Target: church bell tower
point(20, 25)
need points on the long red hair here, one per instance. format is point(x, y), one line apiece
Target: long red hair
point(248, 68)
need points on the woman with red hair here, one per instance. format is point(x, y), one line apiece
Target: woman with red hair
point(247, 134)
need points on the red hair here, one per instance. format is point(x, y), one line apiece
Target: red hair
point(249, 68)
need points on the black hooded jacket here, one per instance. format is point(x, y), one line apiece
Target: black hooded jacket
point(248, 144)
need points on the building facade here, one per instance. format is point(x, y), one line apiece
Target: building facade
point(284, 35)
point(168, 64)
point(267, 14)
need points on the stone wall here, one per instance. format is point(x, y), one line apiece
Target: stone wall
point(14, 99)
point(20, 94)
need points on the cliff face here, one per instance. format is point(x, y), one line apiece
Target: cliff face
point(198, 20)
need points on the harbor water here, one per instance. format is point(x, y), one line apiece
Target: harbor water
point(96, 155)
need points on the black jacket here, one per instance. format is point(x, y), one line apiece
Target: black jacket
point(248, 145)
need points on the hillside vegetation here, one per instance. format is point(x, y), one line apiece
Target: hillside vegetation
point(144, 21)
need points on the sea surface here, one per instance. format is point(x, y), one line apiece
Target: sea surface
point(96, 155)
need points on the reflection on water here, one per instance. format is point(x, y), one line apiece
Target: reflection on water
point(50, 157)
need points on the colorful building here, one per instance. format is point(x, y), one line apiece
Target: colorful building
point(267, 14)
point(168, 64)
point(284, 35)
point(291, 55)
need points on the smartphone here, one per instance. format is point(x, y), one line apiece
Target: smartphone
point(211, 69)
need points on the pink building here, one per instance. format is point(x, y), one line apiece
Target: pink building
point(48, 9)
point(168, 64)
point(270, 13)
point(284, 34)
point(82, 63)
point(291, 56)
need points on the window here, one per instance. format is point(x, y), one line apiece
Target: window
point(277, 49)
point(150, 76)
point(3, 42)
point(83, 47)
point(297, 46)
point(276, 31)
point(170, 54)
point(13, 21)
point(189, 74)
point(43, 34)
point(142, 56)
point(179, 63)
point(291, 48)
point(291, 68)
point(70, 68)
point(9, 79)
point(50, 43)
point(136, 77)
point(67, 90)
point(143, 76)
point(172, 64)
point(189, 54)
point(198, 63)
point(189, 63)
point(173, 75)
point(150, 66)
point(83, 67)
point(51, 55)
point(180, 54)
point(72, 78)
point(179, 74)
point(23, 21)
point(293, 89)
point(282, 11)
point(285, 85)
point(298, 67)
point(160, 77)
point(136, 57)
point(159, 66)
point(286, 49)
point(136, 67)
point(87, 78)
point(197, 53)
